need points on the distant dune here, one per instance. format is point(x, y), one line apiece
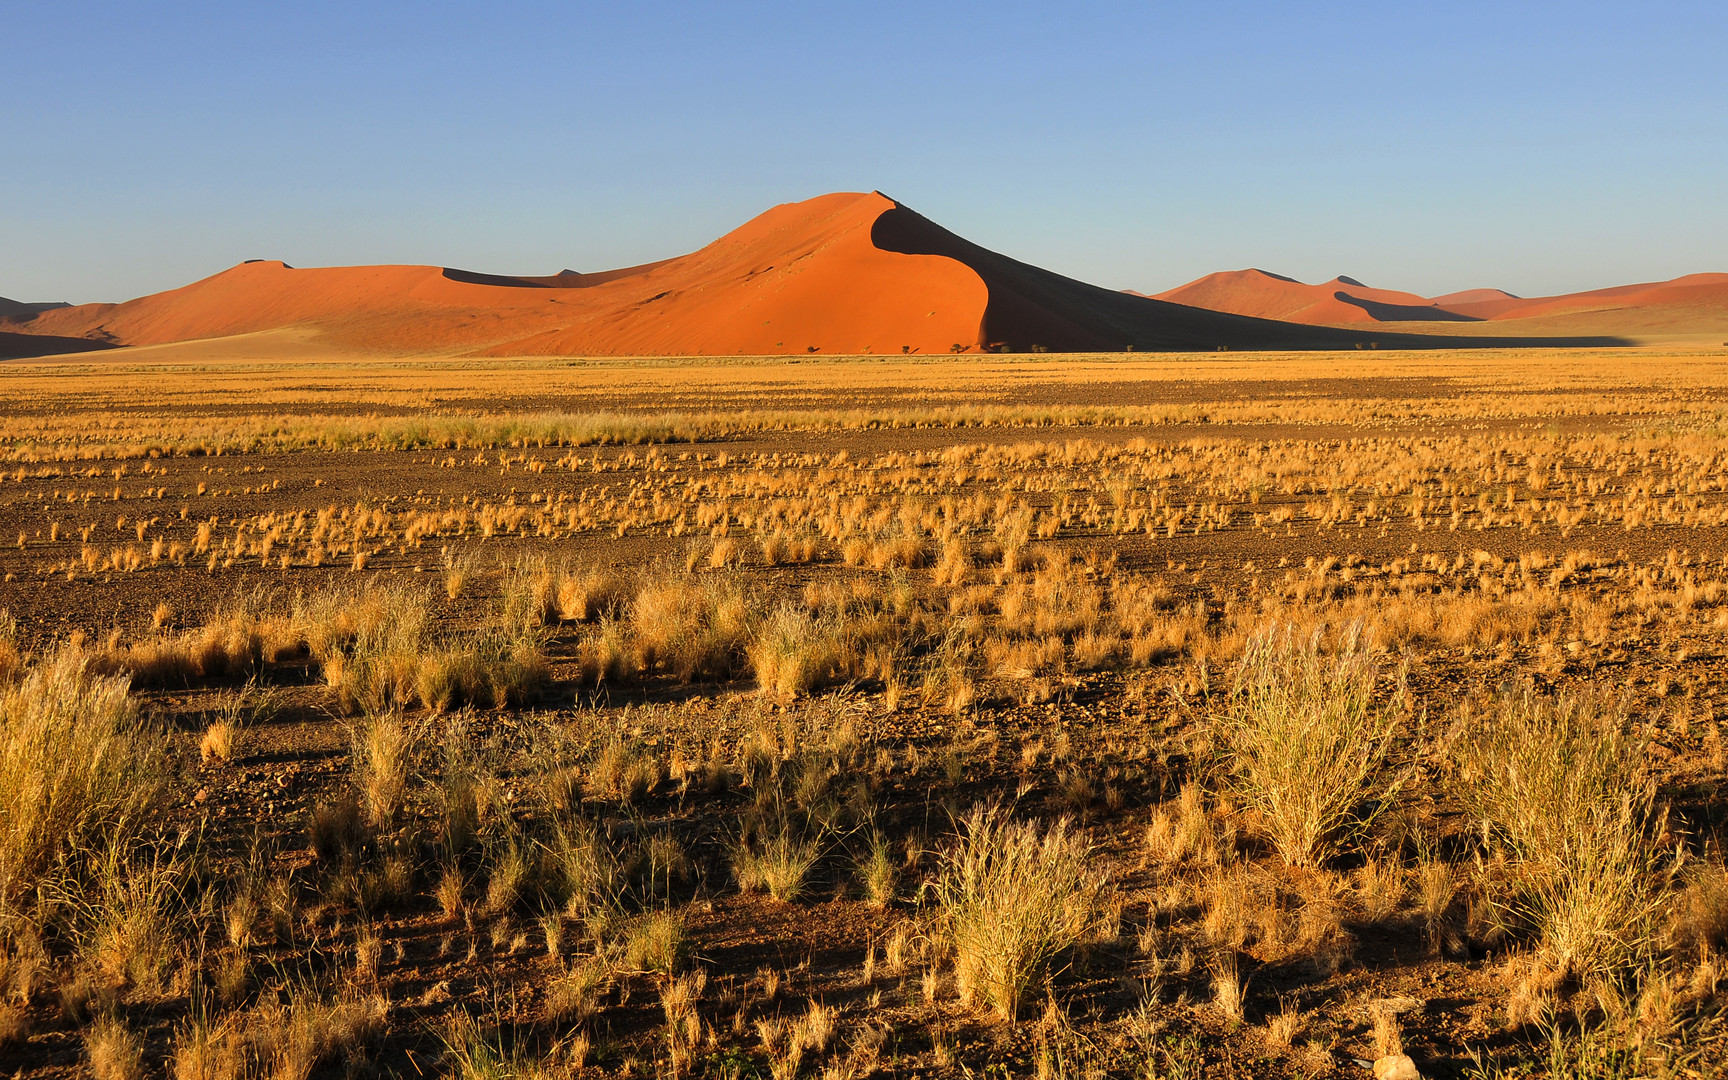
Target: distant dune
point(1473, 296)
point(1695, 305)
point(1341, 301)
point(19, 309)
point(842, 273)
point(16, 346)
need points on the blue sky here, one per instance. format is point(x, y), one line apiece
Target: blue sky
point(1537, 147)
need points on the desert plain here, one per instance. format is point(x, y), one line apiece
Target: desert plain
point(1058, 715)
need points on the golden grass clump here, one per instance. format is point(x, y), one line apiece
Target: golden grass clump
point(114, 1051)
point(1013, 897)
point(78, 768)
point(793, 652)
point(382, 763)
point(775, 861)
point(1304, 742)
point(693, 629)
point(1565, 782)
point(378, 651)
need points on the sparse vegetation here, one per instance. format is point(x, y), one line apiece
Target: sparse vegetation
point(644, 746)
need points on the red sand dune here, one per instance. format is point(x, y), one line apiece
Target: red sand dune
point(1272, 296)
point(842, 273)
point(1694, 293)
point(1695, 304)
point(1473, 296)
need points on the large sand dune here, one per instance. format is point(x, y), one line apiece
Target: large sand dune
point(842, 273)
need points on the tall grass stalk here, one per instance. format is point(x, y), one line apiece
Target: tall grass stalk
point(78, 769)
point(1566, 784)
point(1305, 744)
point(1013, 897)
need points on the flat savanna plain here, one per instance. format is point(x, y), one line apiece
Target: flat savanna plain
point(1156, 716)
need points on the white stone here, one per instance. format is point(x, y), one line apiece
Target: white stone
point(1396, 1067)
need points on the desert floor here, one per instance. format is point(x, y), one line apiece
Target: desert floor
point(1155, 716)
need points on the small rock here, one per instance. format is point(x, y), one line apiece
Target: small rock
point(1396, 1067)
point(436, 994)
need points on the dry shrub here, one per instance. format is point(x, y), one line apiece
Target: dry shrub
point(579, 870)
point(529, 594)
point(378, 652)
point(473, 1052)
point(293, 1040)
point(337, 831)
point(488, 668)
point(77, 768)
point(794, 652)
point(1565, 783)
point(574, 994)
point(1305, 744)
point(878, 874)
point(624, 770)
point(381, 749)
point(1700, 919)
point(207, 1051)
point(220, 741)
point(585, 593)
point(132, 930)
point(1013, 897)
point(11, 660)
point(774, 860)
point(695, 630)
point(604, 654)
point(656, 942)
point(1184, 833)
point(115, 1052)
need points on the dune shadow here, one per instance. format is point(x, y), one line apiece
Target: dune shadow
point(14, 346)
point(564, 279)
point(1032, 309)
point(1403, 312)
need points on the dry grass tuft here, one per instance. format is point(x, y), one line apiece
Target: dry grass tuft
point(774, 860)
point(382, 751)
point(77, 768)
point(1565, 783)
point(1305, 743)
point(1013, 898)
point(114, 1051)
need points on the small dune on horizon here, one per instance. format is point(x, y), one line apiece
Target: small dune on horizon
point(1694, 305)
point(1265, 295)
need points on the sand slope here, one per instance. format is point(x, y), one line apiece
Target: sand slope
point(842, 273)
point(801, 275)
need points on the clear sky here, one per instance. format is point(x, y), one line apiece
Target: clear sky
point(1537, 147)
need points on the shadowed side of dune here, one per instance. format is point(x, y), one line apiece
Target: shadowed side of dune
point(1402, 312)
point(564, 279)
point(22, 346)
point(1031, 307)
